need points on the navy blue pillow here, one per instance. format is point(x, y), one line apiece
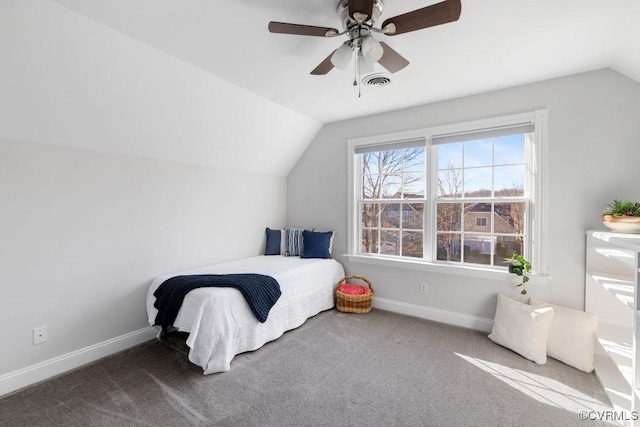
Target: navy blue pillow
point(274, 241)
point(316, 244)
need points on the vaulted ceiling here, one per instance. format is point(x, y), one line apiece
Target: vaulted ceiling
point(204, 82)
point(494, 44)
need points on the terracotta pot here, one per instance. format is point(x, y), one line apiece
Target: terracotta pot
point(622, 224)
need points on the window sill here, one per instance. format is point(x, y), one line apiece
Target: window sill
point(441, 268)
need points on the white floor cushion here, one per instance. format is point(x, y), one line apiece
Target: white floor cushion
point(571, 335)
point(522, 328)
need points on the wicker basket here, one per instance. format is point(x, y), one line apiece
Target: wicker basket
point(354, 303)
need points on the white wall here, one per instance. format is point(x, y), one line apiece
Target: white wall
point(118, 163)
point(83, 233)
point(592, 157)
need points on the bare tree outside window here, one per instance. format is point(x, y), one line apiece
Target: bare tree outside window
point(449, 214)
point(388, 177)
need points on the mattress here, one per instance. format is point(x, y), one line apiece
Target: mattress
point(219, 321)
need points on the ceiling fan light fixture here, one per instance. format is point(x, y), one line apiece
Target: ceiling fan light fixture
point(371, 49)
point(342, 56)
point(365, 67)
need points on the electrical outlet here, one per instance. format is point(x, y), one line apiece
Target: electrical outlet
point(423, 287)
point(39, 335)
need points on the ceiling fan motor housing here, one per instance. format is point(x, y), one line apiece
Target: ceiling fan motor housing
point(347, 21)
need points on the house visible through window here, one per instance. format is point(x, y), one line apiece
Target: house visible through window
point(456, 195)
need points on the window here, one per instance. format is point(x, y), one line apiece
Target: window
point(466, 194)
point(481, 222)
point(391, 204)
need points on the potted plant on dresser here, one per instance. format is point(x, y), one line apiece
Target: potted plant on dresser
point(623, 216)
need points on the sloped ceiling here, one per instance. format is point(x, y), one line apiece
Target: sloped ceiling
point(67, 80)
point(204, 82)
point(495, 44)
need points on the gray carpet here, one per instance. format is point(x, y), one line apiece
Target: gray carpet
point(375, 369)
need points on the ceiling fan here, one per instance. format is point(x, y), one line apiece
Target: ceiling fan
point(359, 19)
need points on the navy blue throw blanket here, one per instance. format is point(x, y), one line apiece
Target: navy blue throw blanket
point(261, 293)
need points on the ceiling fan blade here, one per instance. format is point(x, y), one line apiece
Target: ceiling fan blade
point(324, 67)
point(392, 60)
point(430, 16)
point(364, 7)
point(301, 30)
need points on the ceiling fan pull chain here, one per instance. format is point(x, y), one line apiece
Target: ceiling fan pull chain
point(357, 69)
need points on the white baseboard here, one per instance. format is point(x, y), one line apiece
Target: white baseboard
point(449, 317)
point(49, 368)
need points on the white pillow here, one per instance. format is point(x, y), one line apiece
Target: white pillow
point(522, 328)
point(571, 336)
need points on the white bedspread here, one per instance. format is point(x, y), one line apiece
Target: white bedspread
point(220, 322)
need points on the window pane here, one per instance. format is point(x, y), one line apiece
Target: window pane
point(370, 187)
point(509, 218)
point(450, 183)
point(412, 244)
point(370, 163)
point(391, 186)
point(449, 156)
point(370, 176)
point(390, 215)
point(477, 182)
point(449, 216)
point(509, 181)
point(412, 214)
point(370, 212)
point(393, 174)
point(478, 153)
point(505, 247)
point(414, 159)
point(477, 248)
point(448, 247)
point(369, 243)
point(413, 186)
point(509, 149)
point(476, 214)
point(391, 165)
point(390, 242)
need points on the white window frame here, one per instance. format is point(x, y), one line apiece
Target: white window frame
point(535, 152)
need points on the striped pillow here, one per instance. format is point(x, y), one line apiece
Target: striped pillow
point(294, 241)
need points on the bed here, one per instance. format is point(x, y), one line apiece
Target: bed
point(219, 321)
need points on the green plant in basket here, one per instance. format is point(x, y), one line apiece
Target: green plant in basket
point(519, 266)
